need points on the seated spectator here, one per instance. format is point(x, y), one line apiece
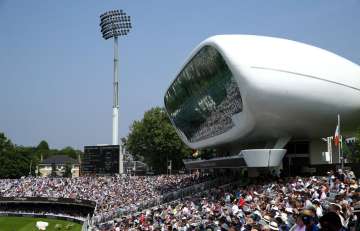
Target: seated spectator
point(331, 222)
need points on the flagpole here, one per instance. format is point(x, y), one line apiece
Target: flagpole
point(341, 154)
point(339, 151)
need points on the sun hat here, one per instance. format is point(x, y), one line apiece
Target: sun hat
point(267, 219)
point(274, 226)
point(337, 206)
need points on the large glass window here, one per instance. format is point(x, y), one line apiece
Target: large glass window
point(204, 96)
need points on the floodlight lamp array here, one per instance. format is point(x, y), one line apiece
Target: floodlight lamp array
point(114, 23)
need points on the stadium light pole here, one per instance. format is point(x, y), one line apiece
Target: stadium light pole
point(115, 23)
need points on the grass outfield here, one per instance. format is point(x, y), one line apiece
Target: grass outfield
point(28, 224)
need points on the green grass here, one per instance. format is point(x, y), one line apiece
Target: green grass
point(28, 224)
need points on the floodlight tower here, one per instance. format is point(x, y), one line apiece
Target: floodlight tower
point(115, 23)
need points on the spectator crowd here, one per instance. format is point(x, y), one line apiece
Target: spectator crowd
point(265, 204)
point(296, 204)
point(112, 194)
point(219, 120)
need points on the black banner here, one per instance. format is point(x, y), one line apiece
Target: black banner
point(47, 200)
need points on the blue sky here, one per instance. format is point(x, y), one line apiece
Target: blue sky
point(56, 70)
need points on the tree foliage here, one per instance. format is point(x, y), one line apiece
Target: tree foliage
point(70, 152)
point(357, 136)
point(67, 172)
point(43, 146)
point(357, 144)
point(53, 170)
point(155, 140)
point(351, 150)
point(5, 144)
point(12, 163)
point(17, 161)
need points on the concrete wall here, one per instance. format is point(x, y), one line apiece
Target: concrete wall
point(45, 170)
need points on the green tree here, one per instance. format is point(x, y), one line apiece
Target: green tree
point(5, 144)
point(70, 152)
point(67, 172)
point(43, 145)
point(53, 170)
point(14, 165)
point(17, 161)
point(155, 139)
point(30, 158)
point(14, 161)
point(357, 145)
point(350, 150)
point(43, 150)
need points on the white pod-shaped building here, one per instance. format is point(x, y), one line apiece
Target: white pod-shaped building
point(241, 92)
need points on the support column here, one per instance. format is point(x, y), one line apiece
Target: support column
point(115, 113)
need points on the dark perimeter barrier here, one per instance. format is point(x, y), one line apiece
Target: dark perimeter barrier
point(48, 200)
point(74, 210)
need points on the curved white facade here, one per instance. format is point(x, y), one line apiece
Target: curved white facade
point(288, 90)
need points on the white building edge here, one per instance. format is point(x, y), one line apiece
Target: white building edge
point(290, 94)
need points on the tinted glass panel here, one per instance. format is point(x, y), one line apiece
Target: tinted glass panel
point(204, 96)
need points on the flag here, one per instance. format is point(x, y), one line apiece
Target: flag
point(337, 136)
point(337, 133)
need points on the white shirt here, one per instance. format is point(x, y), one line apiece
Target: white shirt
point(319, 211)
point(235, 209)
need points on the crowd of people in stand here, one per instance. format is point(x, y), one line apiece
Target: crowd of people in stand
point(294, 204)
point(111, 194)
point(265, 204)
point(219, 120)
